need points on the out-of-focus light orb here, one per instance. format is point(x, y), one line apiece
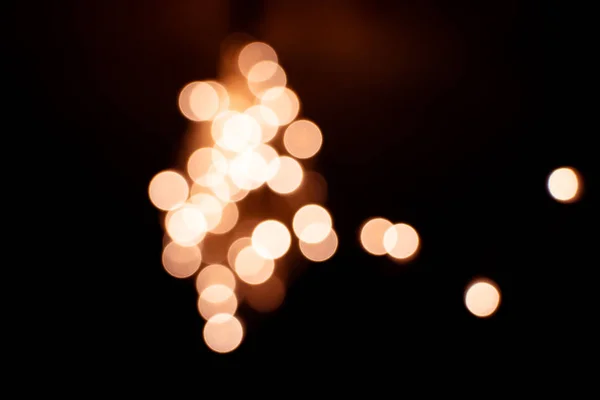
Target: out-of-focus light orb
point(187, 225)
point(322, 251)
point(284, 103)
point(235, 247)
point(267, 119)
point(271, 158)
point(288, 177)
point(302, 139)
point(224, 100)
point(371, 235)
point(312, 223)
point(214, 274)
point(401, 241)
point(266, 297)
point(199, 101)
point(217, 299)
point(207, 167)
point(223, 333)
point(211, 208)
point(229, 219)
point(240, 132)
point(482, 298)
point(264, 76)
point(564, 185)
point(253, 53)
point(249, 170)
point(181, 262)
point(253, 268)
point(168, 190)
point(271, 239)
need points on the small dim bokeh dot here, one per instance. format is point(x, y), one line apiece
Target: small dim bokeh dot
point(564, 185)
point(482, 298)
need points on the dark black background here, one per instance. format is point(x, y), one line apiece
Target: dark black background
point(467, 106)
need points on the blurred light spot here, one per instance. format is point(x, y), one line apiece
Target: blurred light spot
point(302, 139)
point(248, 170)
point(371, 235)
point(181, 262)
point(229, 218)
point(218, 125)
point(240, 132)
point(211, 208)
point(564, 184)
point(252, 54)
point(271, 239)
point(266, 75)
point(223, 333)
point(288, 177)
point(184, 101)
point(322, 251)
point(214, 274)
point(203, 100)
point(482, 298)
point(187, 225)
point(168, 190)
point(222, 94)
point(217, 299)
point(271, 158)
point(266, 297)
point(267, 119)
point(312, 223)
point(401, 241)
point(235, 248)
point(207, 167)
point(252, 268)
point(284, 103)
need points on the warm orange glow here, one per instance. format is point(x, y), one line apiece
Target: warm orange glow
point(214, 274)
point(401, 241)
point(482, 298)
point(223, 333)
point(288, 177)
point(312, 223)
point(322, 251)
point(564, 185)
point(302, 139)
point(271, 239)
point(168, 190)
point(371, 235)
point(180, 261)
point(254, 53)
point(252, 268)
point(284, 103)
point(266, 297)
point(217, 299)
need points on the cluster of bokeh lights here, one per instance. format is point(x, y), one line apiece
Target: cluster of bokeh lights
point(252, 139)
